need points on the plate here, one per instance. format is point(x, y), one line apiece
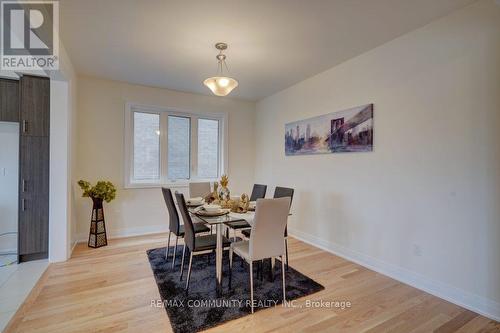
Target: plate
point(203, 212)
point(195, 201)
point(212, 208)
point(194, 204)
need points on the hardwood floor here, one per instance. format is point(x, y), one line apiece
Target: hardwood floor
point(110, 290)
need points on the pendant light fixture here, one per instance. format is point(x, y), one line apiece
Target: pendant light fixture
point(221, 85)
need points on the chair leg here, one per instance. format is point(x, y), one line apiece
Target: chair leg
point(182, 261)
point(175, 250)
point(230, 265)
point(273, 264)
point(251, 285)
point(168, 246)
point(283, 277)
point(189, 270)
point(286, 252)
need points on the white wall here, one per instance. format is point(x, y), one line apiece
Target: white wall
point(58, 171)
point(101, 109)
point(9, 178)
point(62, 219)
point(432, 184)
point(73, 162)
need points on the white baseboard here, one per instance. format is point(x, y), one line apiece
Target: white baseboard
point(73, 247)
point(481, 305)
point(128, 232)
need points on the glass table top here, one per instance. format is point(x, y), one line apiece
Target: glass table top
point(220, 219)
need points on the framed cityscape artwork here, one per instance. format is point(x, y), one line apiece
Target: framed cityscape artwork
point(348, 130)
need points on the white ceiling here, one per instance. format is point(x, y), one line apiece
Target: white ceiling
point(273, 44)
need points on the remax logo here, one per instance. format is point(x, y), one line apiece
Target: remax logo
point(30, 35)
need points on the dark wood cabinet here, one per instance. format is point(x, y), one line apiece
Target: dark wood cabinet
point(34, 168)
point(9, 100)
point(34, 194)
point(35, 105)
point(34, 160)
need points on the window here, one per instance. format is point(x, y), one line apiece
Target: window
point(146, 146)
point(179, 133)
point(208, 148)
point(167, 146)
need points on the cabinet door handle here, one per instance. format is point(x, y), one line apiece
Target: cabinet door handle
point(23, 186)
point(25, 126)
point(23, 204)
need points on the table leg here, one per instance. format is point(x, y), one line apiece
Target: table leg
point(218, 260)
point(273, 264)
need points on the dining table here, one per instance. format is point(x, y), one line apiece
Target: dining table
point(218, 222)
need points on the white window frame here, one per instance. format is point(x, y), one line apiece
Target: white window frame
point(164, 112)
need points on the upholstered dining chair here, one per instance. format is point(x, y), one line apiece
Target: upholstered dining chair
point(279, 192)
point(267, 237)
point(199, 189)
point(196, 244)
point(174, 226)
point(258, 192)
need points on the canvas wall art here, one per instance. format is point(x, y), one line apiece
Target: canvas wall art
point(348, 130)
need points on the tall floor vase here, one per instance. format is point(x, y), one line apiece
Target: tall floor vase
point(97, 234)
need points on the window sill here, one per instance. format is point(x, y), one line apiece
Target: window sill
point(179, 184)
point(146, 186)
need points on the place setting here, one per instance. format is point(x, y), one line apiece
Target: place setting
point(195, 202)
point(210, 210)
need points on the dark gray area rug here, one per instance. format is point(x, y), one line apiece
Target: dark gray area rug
point(200, 309)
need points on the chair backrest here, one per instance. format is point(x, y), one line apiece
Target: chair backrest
point(199, 189)
point(283, 192)
point(189, 235)
point(267, 236)
point(173, 216)
point(258, 192)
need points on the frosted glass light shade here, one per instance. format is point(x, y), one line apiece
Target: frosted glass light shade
point(221, 85)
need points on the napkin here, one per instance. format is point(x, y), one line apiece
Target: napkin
point(197, 209)
point(248, 216)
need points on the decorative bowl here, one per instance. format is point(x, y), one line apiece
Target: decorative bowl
point(211, 208)
point(195, 201)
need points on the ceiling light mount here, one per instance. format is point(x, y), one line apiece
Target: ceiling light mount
point(221, 46)
point(221, 85)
